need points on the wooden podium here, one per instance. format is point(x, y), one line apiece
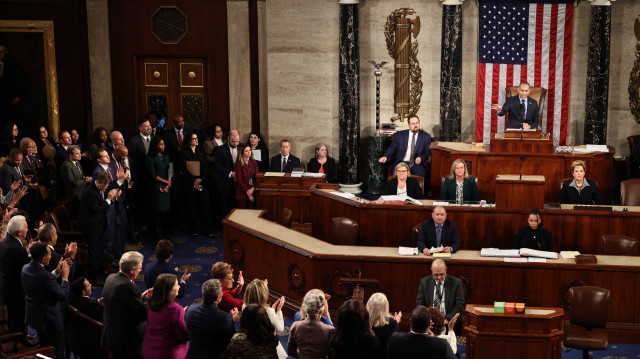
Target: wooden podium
point(294, 193)
point(535, 334)
point(513, 192)
point(510, 142)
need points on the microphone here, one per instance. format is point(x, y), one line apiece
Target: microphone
point(521, 161)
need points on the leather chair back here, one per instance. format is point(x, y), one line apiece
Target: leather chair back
point(344, 231)
point(633, 141)
point(285, 218)
point(630, 192)
point(537, 93)
point(589, 306)
point(615, 244)
point(420, 180)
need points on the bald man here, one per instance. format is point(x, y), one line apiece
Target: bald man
point(226, 156)
point(441, 291)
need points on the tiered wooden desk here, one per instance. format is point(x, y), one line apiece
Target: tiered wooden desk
point(502, 157)
point(295, 263)
point(479, 227)
point(275, 193)
point(535, 334)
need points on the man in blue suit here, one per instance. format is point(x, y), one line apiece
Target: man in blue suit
point(210, 328)
point(518, 105)
point(285, 161)
point(411, 146)
point(226, 156)
point(45, 298)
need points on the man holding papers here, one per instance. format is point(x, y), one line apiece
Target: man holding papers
point(438, 231)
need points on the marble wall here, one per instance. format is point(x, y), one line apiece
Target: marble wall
point(302, 65)
point(100, 63)
point(239, 67)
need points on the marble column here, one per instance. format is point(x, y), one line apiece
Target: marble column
point(349, 93)
point(239, 66)
point(451, 71)
point(99, 63)
point(597, 97)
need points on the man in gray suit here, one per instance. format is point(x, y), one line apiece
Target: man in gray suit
point(71, 172)
point(441, 291)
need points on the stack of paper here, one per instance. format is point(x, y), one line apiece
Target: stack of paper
point(540, 254)
point(407, 251)
point(569, 254)
point(344, 194)
point(495, 252)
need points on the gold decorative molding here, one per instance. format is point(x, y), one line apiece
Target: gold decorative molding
point(408, 74)
point(194, 72)
point(45, 27)
point(634, 78)
point(156, 75)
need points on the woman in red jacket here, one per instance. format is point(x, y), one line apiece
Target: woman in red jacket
point(245, 168)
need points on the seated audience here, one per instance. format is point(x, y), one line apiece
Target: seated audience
point(245, 169)
point(579, 190)
point(257, 145)
point(210, 329)
point(257, 338)
point(158, 166)
point(353, 337)
point(441, 291)
point(534, 236)
point(124, 312)
point(417, 343)
point(382, 322)
point(438, 327)
point(166, 335)
point(224, 273)
point(459, 186)
point(164, 253)
point(193, 166)
point(45, 299)
point(322, 163)
point(81, 300)
point(48, 235)
point(438, 231)
point(309, 338)
point(285, 161)
point(257, 293)
point(403, 185)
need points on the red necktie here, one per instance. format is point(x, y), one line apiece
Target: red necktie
point(179, 139)
point(284, 163)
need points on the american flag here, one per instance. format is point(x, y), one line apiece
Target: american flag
point(524, 41)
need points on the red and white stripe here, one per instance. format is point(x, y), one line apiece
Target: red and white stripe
point(548, 65)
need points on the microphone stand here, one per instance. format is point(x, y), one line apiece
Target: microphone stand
point(521, 161)
point(521, 131)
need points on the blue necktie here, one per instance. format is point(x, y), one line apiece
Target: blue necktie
point(439, 234)
point(524, 111)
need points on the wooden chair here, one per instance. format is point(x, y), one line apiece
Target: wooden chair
point(616, 244)
point(537, 93)
point(630, 192)
point(344, 231)
point(285, 218)
point(589, 309)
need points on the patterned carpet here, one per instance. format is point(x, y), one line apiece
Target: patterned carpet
point(197, 255)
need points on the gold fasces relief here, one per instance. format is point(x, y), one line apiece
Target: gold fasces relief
point(408, 74)
point(634, 78)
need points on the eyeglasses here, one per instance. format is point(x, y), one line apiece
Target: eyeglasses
point(401, 171)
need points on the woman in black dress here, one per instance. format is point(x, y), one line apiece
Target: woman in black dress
point(193, 166)
point(158, 165)
point(403, 185)
point(322, 163)
point(256, 142)
point(534, 236)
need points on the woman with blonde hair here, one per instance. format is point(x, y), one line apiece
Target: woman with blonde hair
point(257, 292)
point(579, 189)
point(309, 338)
point(403, 185)
point(382, 322)
point(459, 186)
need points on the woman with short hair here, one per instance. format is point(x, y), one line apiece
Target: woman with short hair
point(309, 338)
point(579, 190)
point(224, 273)
point(403, 185)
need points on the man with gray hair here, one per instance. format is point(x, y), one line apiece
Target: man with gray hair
point(210, 328)
point(13, 256)
point(125, 313)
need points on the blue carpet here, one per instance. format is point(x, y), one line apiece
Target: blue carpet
point(197, 255)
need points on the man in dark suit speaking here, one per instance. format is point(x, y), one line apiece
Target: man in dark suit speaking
point(522, 110)
point(411, 146)
point(441, 291)
point(438, 231)
point(285, 161)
